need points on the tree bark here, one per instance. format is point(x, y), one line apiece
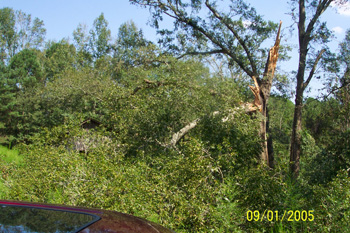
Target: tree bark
point(269, 141)
point(295, 148)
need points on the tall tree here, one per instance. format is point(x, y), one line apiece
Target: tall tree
point(60, 57)
point(81, 43)
point(19, 32)
point(100, 37)
point(8, 102)
point(31, 34)
point(130, 40)
point(312, 33)
point(237, 33)
point(8, 33)
point(26, 69)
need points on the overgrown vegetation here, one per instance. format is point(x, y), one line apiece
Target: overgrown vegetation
point(90, 123)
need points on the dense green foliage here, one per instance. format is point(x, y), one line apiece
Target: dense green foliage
point(140, 97)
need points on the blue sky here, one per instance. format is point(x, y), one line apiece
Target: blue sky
point(61, 18)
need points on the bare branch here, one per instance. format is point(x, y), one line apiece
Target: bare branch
point(312, 72)
point(177, 136)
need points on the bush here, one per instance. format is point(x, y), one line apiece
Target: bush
point(177, 189)
point(332, 205)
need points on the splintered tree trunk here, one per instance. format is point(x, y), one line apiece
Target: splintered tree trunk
point(262, 93)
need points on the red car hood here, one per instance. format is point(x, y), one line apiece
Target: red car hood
point(110, 221)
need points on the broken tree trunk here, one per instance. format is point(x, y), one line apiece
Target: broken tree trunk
point(263, 87)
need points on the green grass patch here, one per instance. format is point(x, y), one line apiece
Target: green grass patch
point(10, 156)
point(3, 190)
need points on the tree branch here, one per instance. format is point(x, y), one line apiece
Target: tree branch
point(188, 21)
point(235, 33)
point(343, 85)
point(321, 7)
point(201, 53)
point(312, 72)
point(301, 23)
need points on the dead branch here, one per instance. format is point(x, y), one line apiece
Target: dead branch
point(312, 72)
point(177, 136)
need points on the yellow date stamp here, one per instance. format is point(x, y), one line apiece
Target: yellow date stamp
point(286, 215)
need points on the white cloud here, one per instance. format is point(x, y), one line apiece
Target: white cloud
point(343, 9)
point(338, 30)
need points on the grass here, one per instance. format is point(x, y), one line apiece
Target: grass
point(7, 157)
point(10, 156)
